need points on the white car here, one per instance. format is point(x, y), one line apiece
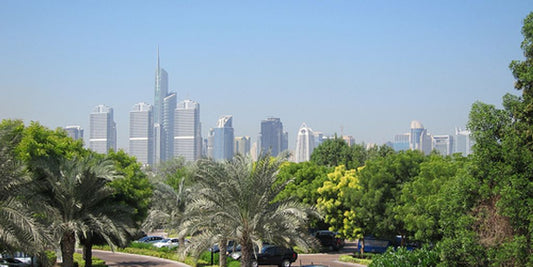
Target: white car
point(167, 243)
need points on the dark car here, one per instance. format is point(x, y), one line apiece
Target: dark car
point(232, 246)
point(329, 239)
point(272, 255)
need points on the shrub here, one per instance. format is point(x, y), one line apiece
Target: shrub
point(403, 258)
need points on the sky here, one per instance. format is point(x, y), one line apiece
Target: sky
point(359, 68)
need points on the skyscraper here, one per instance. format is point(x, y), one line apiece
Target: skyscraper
point(242, 145)
point(167, 127)
point(163, 116)
point(161, 91)
point(74, 131)
point(443, 144)
point(350, 140)
point(463, 142)
point(222, 138)
point(419, 139)
point(141, 143)
point(305, 143)
point(187, 131)
point(103, 135)
point(272, 138)
point(401, 142)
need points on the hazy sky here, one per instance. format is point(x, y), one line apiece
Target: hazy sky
point(369, 67)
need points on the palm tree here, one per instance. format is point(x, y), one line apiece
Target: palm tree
point(19, 230)
point(168, 207)
point(79, 204)
point(235, 200)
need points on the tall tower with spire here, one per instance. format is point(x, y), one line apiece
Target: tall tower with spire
point(161, 90)
point(163, 115)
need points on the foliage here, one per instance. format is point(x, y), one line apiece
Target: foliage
point(421, 204)
point(168, 207)
point(96, 262)
point(302, 183)
point(402, 257)
point(76, 199)
point(379, 192)
point(234, 200)
point(335, 152)
point(173, 172)
point(19, 229)
point(39, 143)
point(493, 221)
point(352, 259)
point(333, 201)
point(133, 188)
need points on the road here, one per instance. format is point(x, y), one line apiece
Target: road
point(132, 260)
point(330, 259)
point(117, 259)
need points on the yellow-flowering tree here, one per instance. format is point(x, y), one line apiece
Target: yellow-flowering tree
point(333, 201)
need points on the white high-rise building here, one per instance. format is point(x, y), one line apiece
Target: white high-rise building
point(443, 144)
point(187, 131)
point(141, 143)
point(463, 142)
point(305, 143)
point(103, 135)
point(242, 145)
point(74, 131)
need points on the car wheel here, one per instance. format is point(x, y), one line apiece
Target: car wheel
point(285, 263)
point(254, 263)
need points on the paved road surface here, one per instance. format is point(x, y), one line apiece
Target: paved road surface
point(117, 259)
point(330, 259)
point(122, 259)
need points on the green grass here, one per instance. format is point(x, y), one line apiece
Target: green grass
point(352, 259)
point(81, 263)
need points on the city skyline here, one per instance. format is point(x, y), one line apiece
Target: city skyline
point(362, 69)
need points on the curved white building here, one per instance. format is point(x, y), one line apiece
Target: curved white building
point(305, 143)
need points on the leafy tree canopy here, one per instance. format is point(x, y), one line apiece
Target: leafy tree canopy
point(134, 189)
point(333, 201)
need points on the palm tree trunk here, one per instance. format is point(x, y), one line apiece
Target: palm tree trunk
point(247, 252)
point(223, 244)
point(68, 241)
point(88, 253)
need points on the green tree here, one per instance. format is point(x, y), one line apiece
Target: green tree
point(334, 204)
point(380, 184)
point(495, 227)
point(421, 204)
point(133, 188)
point(78, 202)
point(19, 229)
point(236, 198)
point(335, 152)
point(167, 209)
point(303, 180)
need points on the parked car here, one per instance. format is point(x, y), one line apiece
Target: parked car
point(232, 246)
point(329, 239)
point(271, 255)
point(166, 243)
point(12, 262)
point(150, 239)
point(376, 245)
